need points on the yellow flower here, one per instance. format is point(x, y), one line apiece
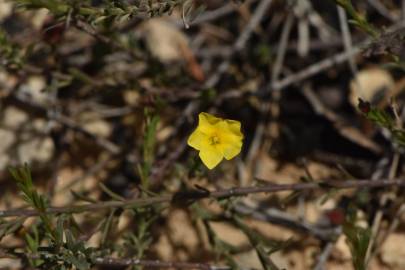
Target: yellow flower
point(216, 138)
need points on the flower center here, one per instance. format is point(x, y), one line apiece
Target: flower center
point(214, 139)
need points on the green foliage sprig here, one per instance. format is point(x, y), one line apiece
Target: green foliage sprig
point(358, 19)
point(149, 143)
point(113, 10)
point(358, 239)
point(24, 182)
point(382, 119)
point(11, 55)
point(64, 250)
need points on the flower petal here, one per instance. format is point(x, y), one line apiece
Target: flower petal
point(231, 150)
point(231, 138)
point(233, 126)
point(230, 133)
point(196, 139)
point(210, 156)
point(206, 122)
point(208, 118)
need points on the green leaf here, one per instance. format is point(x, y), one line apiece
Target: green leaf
point(151, 123)
point(382, 119)
point(111, 193)
point(79, 262)
point(10, 227)
point(358, 239)
point(22, 176)
point(107, 227)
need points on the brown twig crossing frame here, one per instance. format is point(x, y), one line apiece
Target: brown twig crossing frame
point(198, 194)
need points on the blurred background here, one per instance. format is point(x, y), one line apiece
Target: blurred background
point(99, 98)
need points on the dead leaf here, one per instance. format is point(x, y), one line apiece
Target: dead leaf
point(168, 44)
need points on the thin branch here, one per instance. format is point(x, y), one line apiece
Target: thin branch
point(68, 122)
point(347, 38)
point(281, 50)
point(314, 69)
point(344, 129)
point(109, 261)
point(274, 107)
point(378, 218)
point(323, 257)
point(157, 264)
point(87, 28)
point(189, 196)
point(275, 216)
point(87, 207)
point(324, 64)
point(240, 42)
point(383, 10)
point(212, 15)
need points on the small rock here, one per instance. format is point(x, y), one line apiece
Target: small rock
point(23, 140)
point(131, 97)
point(248, 260)
point(341, 249)
point(39, 18)
point(371, 85)
point(229, 234)
point(14, 117)
point(393, 252)
point(163, 248)
point(7, 82)
point(95, 125)
point(34, 88)
point(181, 230)
point(7, 139)
point(6, 7)
point(164, 40)
point(36, 150)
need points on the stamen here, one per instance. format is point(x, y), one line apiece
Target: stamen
point(214, 140)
